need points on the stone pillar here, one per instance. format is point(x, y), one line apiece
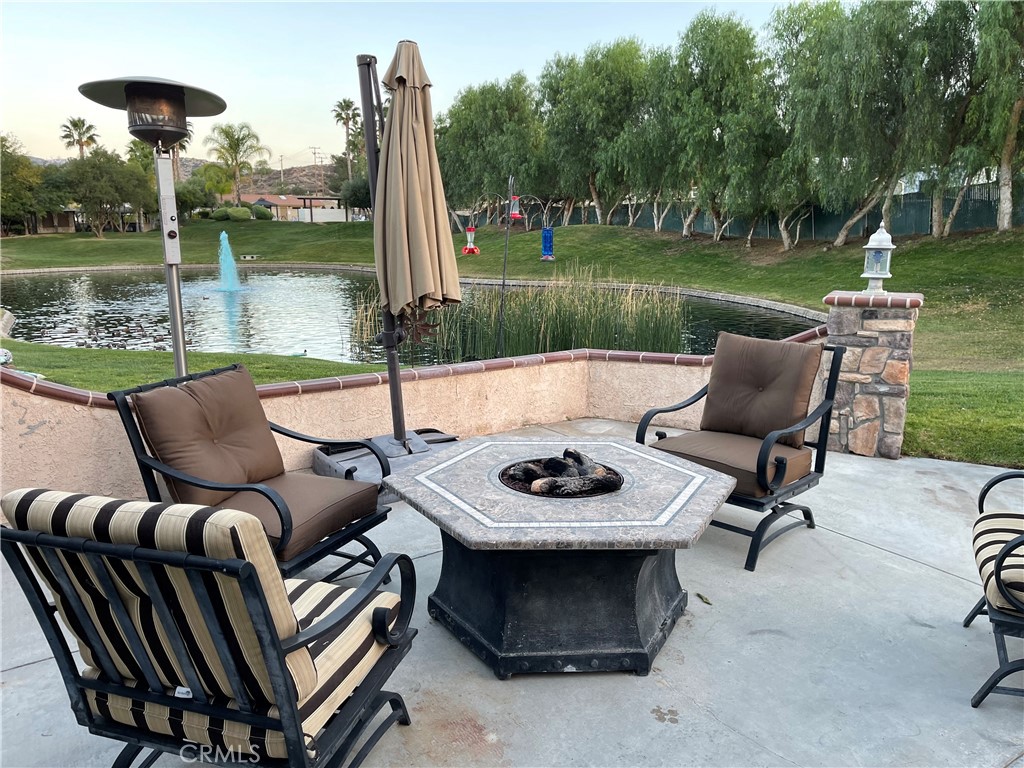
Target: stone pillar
point(871, 399)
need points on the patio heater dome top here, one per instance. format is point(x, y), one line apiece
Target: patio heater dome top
point(157, 109)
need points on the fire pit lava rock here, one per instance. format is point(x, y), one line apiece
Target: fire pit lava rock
point(574, 474)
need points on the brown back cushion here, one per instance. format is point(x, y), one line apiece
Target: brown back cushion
point(213, 428)
point(758, 386)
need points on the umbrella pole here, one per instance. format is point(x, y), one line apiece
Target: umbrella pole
point(390, 338)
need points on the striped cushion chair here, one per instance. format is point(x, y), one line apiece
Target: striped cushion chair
point(999, 553)
point(191, 640)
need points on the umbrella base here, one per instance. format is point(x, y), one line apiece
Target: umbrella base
point(360, 464)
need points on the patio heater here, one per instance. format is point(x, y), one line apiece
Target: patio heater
point(158, 112)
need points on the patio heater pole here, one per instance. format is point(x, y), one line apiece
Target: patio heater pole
point(172, 253)
point(392, 335)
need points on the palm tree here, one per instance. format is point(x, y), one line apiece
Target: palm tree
point(346, 113)
point(235, 146)
point(177, 149)
point(77, 132)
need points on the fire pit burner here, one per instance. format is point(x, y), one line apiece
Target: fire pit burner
point(574, 475)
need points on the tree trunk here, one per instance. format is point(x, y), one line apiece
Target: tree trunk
point(688, 221)
point(890, 190)
point(611, 212)
point(937, 220)
point(633, 212)
point(750, 234)
point(720, 227)
point(947, 228)
point(598, 208)
point(784, 224)
point(238, 187)
point(659, 213)
point(457, 221)
point(567, 209)
point(348, 154)
point(859, 214)
point(1004, 217)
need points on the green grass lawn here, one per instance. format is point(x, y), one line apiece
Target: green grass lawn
point(967, 388)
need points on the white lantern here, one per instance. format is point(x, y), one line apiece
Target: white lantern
point(877, 256)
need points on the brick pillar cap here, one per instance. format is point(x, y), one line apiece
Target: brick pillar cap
point(888, 300)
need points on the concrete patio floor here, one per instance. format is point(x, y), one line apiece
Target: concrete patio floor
point(844, 648)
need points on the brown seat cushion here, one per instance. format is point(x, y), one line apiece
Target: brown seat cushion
point(214, 428)
point(736, 455)
point(320, 506)
point(758, 386)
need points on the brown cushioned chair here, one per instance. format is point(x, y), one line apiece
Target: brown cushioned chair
point(192, 641)
point(207, 435)
point(755, 414)
point(999, 553)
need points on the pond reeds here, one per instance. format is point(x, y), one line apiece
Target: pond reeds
point(570, 312)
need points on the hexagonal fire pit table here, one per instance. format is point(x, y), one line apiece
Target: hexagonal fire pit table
point(540, 584)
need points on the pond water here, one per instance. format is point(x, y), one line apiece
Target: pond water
point(285, 312)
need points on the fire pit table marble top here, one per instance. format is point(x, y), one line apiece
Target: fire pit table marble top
point(664, 503)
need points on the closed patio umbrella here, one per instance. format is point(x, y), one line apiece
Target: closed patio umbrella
point(413, 249)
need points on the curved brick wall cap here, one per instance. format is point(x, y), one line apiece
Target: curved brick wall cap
point(49, 389)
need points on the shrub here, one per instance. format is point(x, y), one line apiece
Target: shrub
point(261, 213)
point(239, 214)
point(221, 214)
point(203, 213)
point(246, 204)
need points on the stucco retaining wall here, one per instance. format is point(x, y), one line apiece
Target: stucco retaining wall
point(68, 439)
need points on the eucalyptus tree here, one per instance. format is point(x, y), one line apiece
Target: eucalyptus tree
point(722, 104)
point(647, 149)
point(236, 147)
point(346, 114)
point(587, 102)
point(998, 110)
point(78, 132)
point(798, 36)
point(490, 132)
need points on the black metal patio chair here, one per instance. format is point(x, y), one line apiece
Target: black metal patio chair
point(755, 414)
point(999, 553)
point(208, 436)
point(191, 641)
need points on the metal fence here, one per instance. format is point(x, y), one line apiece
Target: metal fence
point(911, 215)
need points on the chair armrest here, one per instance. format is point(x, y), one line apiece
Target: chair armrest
point(358, 600)
point(1008, 549)
point(773, 437)
point(645, 422)
point(382, 459)
point(992, 484)
point(266, 491)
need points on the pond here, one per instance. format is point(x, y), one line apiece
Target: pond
point(331, 315)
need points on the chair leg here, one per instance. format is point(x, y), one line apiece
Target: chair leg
point(127, 756)
point(1006, 668)
point(759, 541)
point(976, 611)
point(399, 714)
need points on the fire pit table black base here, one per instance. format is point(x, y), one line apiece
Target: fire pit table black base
point(550, 610)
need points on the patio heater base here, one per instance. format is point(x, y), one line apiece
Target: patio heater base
point(558, 610)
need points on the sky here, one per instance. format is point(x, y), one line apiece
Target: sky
point(281, 66)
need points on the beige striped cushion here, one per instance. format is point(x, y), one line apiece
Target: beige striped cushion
point(992, 531)
point(342, 660)
point(215, 533)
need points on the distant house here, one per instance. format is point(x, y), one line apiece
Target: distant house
point(59, 223)
point(284, 207)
